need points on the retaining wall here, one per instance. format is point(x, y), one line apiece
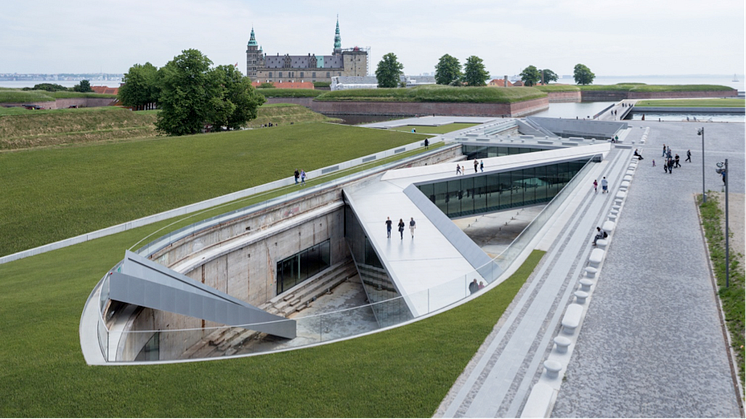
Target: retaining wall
point(614, 96)
point(82, 102)
point(564, 97)
point(430, 108)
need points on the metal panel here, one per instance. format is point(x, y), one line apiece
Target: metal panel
point(145, 283)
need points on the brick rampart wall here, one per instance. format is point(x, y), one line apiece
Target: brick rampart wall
point(430, 108)
point(83, 102)
point(609, 96)
point(564, 97)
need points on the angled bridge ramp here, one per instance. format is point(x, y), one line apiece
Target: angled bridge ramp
point(142, 282)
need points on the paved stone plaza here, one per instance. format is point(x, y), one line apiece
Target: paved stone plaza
point(651, 344)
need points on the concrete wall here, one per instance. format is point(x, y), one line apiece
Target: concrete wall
point(303, 101)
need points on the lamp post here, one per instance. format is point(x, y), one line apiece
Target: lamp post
point(723, 170)
point(701, 132)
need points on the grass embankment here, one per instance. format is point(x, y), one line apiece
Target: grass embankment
point(285, 114)
point(732, 297)
point(54, 193)
point(24, 96)
point(21, 128)
point(641, 87)
point(558, 88)
point(442, 129)
point(404, 372)
point(692, 103)
point(434, 93)
point(289, 92)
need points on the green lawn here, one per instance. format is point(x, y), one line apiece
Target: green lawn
point(404, 372)
point(641, 87)
point(443, 129)
point(55, 193)
point(693, 103)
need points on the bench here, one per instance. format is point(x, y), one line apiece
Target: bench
point(585, 284)
point(627, 178)
point(621, 195)
point(562, 344)
point(571, 319)
point(608, 226)
point(553, 368)
point(602, 243)
point(590, 271)
point(597, 256)
point(539, 401)
point(580, 297)
point(612, 217)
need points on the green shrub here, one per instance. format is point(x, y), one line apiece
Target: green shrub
point(322, 84)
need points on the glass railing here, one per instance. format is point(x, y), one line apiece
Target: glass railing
point(210, 342)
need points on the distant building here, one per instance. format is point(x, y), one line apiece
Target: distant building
point(261, 67)
point(499, 83)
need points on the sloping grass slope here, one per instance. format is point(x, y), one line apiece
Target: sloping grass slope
point(435, 93)
point(55, 193)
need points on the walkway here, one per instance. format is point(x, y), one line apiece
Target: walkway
point(651, 344)
point(499, 379)
point(608, 114)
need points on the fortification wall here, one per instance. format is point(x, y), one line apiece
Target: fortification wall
point(430, 108)
point(81, 102)
point(564, 97)
point(613, 96)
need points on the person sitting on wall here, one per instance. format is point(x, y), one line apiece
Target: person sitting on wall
point(639, 156)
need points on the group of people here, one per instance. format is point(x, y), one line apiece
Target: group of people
point(672, 161)
point(300, 175)
point(474, 286)
point(389, 225)
point(478, 165)
point(604, 185)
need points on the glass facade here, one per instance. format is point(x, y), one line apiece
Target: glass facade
point(499, 191)
point(386, 302)
point(301, 266)
point(484, 151)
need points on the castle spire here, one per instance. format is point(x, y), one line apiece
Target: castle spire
point(252, 40)
point(337, 38)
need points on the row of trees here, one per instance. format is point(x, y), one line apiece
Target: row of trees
point(84, 87)
point(448, 72)
point(191, 94)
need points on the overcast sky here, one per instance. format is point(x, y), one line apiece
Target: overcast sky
point(629, 37)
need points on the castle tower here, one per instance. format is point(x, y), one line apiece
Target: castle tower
point(253, 57)
point(337, 40)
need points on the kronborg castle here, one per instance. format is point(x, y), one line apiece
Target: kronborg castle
point(293, 68)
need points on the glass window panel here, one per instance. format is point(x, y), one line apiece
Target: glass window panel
point(455, 195)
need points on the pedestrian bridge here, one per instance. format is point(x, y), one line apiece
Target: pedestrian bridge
point(433, 269)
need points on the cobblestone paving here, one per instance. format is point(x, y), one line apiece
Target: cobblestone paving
point(651, 344)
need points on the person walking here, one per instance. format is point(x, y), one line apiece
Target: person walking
point(401, 228)
point(388, 227)
point(476, 166)
point(297, 175)
point(664, 151)
point(473, 286)
point(412, 226)
point(604, 185)
point(302, 177)
point(665, 166)
point(677, 163)
point(595, 185)
point(688, 156)
point(458, 169)
point(427, 144)
point(481, 166)
point(670, 165)
point(653, 162)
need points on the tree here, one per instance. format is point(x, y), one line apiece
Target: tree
point(193, 94)
point(448, 70)
point(389, 70)
point(186, 94)
point(237, 101)
point(530, 76)
point(84, 87)
point(549, 75)
point(583, 75)
point(474, 72)
point(140, 86)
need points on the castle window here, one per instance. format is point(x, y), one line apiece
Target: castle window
point(301, 74)
point(328, 74)
point(270, 74)
point(279, 74)
point(313, 75)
